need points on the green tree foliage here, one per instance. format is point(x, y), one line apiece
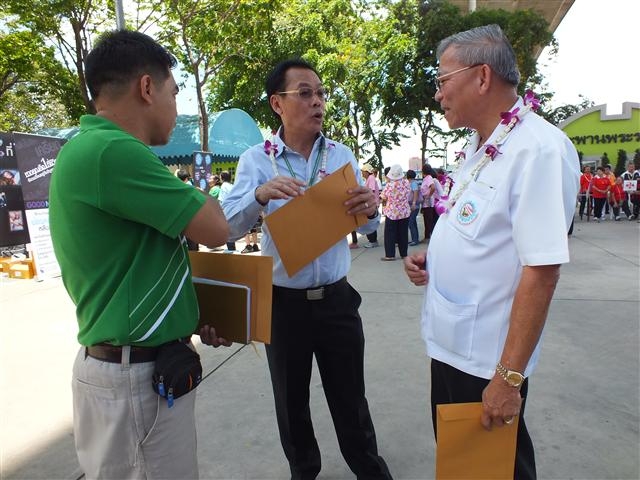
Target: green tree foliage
point(410, 87)
point(68, 25)
point(206, 35)
point(621, 164)
point(560, 114)
point(35, 89)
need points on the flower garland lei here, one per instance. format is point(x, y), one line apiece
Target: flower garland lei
point(510, 119)
point(271, 149)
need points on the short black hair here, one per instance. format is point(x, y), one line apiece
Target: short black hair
point(182, 174)
point(225, 176)
point(411, 174)
point(120, 56)
point(276, 80)
point(428, 170)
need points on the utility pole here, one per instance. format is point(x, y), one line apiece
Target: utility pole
point(119, 15)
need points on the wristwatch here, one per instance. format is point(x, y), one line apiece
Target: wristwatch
point(513, 378)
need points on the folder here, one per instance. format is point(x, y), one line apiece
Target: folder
point(465, 450)
point(228, 301)
point(309, 225)
point(234, 294)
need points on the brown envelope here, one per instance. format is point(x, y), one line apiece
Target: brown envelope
point(465, 450)
point(225, 307)
point(309, 225)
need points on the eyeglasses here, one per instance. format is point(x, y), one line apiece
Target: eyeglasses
point(438, 80)
point(307, 93)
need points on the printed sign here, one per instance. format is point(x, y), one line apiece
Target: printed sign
point(13, 229)
point(629, 185)
point(202, 170)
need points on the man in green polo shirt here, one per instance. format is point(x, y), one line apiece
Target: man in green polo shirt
point(119, 222)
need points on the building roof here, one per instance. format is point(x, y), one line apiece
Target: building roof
point(552, 10)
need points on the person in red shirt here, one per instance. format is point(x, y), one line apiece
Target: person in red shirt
point(618, 199)
point(585, 181)
point(599, 189)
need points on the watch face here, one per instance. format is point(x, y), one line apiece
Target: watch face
point(514, 379)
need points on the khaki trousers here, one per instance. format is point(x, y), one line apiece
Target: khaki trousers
point(123, 429)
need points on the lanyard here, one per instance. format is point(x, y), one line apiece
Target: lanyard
point(316, 164)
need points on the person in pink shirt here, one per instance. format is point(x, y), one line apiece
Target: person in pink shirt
point(395, 196)
point(430, 190)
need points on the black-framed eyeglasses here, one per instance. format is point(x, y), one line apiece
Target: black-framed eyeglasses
point(307, 93)
point(438, 80)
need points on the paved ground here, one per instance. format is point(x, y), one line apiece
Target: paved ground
point(583, 409)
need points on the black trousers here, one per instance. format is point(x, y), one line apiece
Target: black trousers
point(450, 385)
point(583, 204)
point(396, 231)
point(430, 218)
point(331, 329)
point(598, 204)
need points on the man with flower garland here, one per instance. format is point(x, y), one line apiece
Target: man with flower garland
point(315, 312)
point(494, 257)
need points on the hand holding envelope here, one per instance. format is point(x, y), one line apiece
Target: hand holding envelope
point(320, 219)
point(466, 450)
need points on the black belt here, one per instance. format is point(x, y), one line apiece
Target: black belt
point(317, 293)
point(113, 353)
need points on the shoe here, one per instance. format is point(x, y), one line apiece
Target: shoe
point(413, 244)
point(229, 251)
point(371, 245)
point(632, 217)
point(353, 246)
point(598, 220)
point(617, 218)
point(256, 248)
point(388, 259)
point(247, 249)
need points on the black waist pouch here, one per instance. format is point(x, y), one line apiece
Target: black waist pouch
point(178, 371)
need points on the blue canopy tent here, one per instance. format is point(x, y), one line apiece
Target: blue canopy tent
point(231, 132)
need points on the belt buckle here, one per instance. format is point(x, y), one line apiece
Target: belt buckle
point(315, 294)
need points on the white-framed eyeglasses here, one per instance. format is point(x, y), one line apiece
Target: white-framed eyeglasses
point(438, 80)
point(307, 93)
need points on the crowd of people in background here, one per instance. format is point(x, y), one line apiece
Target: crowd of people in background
point(603, 195)
point(403, 196)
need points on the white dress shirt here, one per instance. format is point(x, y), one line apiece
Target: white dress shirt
point(516, 212)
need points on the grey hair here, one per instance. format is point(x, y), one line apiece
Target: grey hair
point(486, 44)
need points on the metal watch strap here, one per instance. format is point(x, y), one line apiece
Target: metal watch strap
point(504, 373)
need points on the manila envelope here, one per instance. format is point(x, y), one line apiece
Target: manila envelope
point(309, 225)
point(252, 271)
point(465, 450)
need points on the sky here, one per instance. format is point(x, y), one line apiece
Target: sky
point(597, 57)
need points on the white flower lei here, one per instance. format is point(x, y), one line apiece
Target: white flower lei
point(444, 204)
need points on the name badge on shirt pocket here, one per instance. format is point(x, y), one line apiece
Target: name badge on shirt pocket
point(471, 210)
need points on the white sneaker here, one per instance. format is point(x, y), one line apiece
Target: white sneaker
point(371, 245)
